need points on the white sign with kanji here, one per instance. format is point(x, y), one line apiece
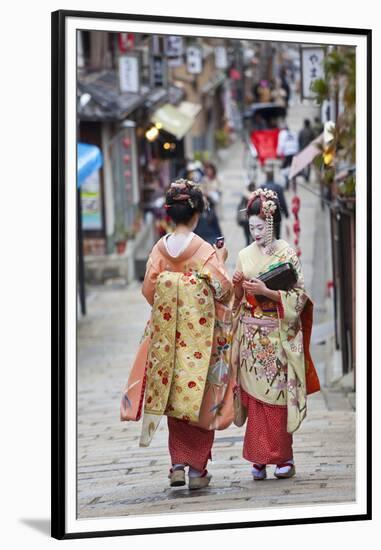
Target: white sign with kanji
point(194, 59)
point(221, 57)
point(129, 77)
point(312, 69)
point(174, 46)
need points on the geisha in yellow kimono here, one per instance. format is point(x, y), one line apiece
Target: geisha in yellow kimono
point(271, 344)
point(187, 369)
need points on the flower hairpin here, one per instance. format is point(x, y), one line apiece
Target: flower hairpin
point(184, 184)
point(181, 188)
point(268, 208)
point(266, 196)
point(264, 193)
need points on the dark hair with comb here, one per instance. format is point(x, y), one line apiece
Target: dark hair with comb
point(182, 200)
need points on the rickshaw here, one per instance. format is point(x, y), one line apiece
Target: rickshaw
point(262, 124)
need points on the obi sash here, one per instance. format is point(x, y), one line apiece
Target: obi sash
point(181, 338)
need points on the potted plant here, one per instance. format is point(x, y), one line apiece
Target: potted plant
point(222, 138)
point(222, 141)
point(120, 238)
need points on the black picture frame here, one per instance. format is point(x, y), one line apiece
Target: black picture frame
point(58, 289)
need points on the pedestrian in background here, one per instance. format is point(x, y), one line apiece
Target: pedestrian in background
point(318, 127)
point(208, 226)
point(212, 187)
point(285, 85)
point(288, 146)
point(195, 171)
point(278, 93)
point(264, 92)
point(306, 135)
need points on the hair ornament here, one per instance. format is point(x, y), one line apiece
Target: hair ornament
point(268, 208)
point(180, 190)
point(266, 196)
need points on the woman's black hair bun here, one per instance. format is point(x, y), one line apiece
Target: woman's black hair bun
point(183, 199)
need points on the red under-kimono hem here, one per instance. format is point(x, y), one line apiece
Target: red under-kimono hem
point(189, 444)
point(266, 438)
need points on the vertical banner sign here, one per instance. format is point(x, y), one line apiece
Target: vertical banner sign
point(158, 63)
point(125, 173)
point(194, 59)
point(129, 73)
point(126, 41)
point(174, 50)
point(159, 76)
point(91, 203)
point(156, 45)
point(220, 57)
point(312, 69)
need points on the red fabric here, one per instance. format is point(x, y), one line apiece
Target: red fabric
point(189, 444)
point(312, 379)
point(266, 143)
point(266, 438)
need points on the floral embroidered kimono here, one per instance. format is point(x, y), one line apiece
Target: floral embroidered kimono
point(271, 356)
point(187, 368)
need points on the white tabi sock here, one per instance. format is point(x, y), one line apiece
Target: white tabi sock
point(194, 473)
point(285, 469)
point(178, 467)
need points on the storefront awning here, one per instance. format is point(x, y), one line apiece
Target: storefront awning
point(305, 156)
point(89, 159)
point(106, 102)
point(176, 120)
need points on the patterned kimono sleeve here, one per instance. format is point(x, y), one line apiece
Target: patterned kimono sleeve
point(293, 301)
point(291, 335)
point(151, 274)
point(218, 279)
point(237, 301)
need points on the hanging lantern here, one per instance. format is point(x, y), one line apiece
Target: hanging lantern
point(296, 225)
point(152, 133)
point(328, 156)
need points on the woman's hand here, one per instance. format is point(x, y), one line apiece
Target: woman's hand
point(237, 278)
point(258, 287)
point(255, 286)
point(221, 253)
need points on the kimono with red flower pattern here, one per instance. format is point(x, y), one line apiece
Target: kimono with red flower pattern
point(188, 358)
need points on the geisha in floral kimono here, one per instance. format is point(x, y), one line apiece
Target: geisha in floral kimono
point(188, 340)
point(271, 343)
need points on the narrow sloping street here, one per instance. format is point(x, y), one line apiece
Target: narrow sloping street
point(117, 478)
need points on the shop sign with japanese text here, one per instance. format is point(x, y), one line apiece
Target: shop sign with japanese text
point(312, 69)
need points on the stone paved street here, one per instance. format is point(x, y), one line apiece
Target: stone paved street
point(117, 478)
